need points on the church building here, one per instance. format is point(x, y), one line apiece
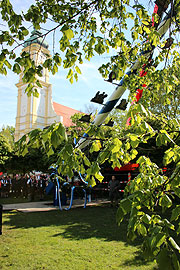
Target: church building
point(38, 112)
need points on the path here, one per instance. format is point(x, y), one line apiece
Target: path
point(46, 205)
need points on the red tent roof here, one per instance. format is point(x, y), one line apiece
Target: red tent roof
point(65, 112)
point(127, 167)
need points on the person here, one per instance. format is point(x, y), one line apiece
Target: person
point(32, 187)
point(4, 187)
point(18, 186)
point(113, 191)
point(8, 186)
point(13, 185)
point(41, 186)
point(24, 185)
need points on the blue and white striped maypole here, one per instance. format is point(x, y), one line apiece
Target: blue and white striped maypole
point(120, 89)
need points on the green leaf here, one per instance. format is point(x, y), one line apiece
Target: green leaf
point(177, 191)
point(50, 152)
point(70, 74)
point(103, 156)
point(86, 161)
point(25, 32)
point(95, 168)
point(96, 146)
point(7, 64)
point(165, 201)
point(55, 139)
point(159, 140)
point(168, 157)
point(39, 84)
point(71, 80)
point(91, 182)
point(16, 68)
point(133, 137)
point(138, 6)
point(175, 262)
point(119, 215)
point(126, 205)
point(175, 213)
point(54, 69)
point(99, 176)
point(100, 47)
point(168, 224)
point(143, 160)
point(146, 218)
point(25, 151)
point(145, 22)
point(133, 153)
point(62, 131)
point(174, 244)
point(45, 136)
point(69, 33)
point(78, 69)
point(117, 145)
point(167, 136)
point(158, 240)
point(141, 229)
point(164, 260)
point(147, 29)
point(134, 140)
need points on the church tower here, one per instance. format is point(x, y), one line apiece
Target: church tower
point(33, 112)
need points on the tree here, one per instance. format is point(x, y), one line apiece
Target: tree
point(90, 108)
point(81, 37)
point(166, 100)
point(8, 132)
point(5, 151)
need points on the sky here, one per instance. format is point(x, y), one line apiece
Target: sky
point(76, 95)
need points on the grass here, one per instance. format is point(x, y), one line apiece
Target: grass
point(76, 239)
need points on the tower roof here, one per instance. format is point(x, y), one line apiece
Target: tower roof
point(36, 37)
point(65, 112)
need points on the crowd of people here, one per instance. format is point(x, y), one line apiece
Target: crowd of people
point(27, 186)
point(31, 186)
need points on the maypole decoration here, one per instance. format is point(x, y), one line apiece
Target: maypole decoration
point(58, 194)
point(158, 9)
point(162, 28)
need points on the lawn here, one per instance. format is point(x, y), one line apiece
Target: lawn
point(76, 239)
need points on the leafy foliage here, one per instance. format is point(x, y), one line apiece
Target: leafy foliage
point(87, 28)
point(5, 151)
point(152, 139)
point(8, 132)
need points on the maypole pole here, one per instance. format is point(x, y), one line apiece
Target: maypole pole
point(162, 28)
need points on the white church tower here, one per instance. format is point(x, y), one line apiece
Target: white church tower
point(33, 112)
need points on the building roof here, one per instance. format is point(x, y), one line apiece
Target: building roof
point(36, 37)
point(65, 112)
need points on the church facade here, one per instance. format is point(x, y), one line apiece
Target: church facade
point(38, 112)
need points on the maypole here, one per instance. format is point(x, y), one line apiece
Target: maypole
point(162, 28)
